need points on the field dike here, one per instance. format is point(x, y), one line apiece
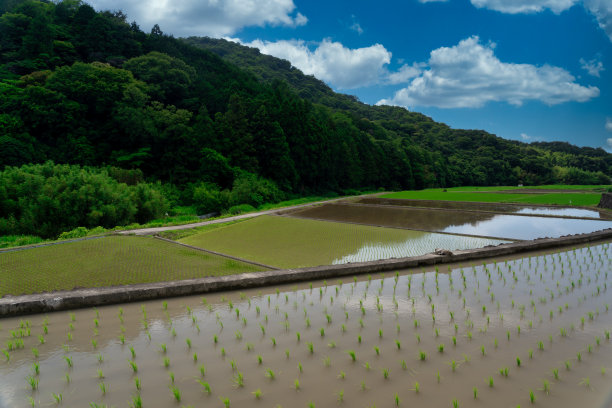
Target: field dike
point(64, 300)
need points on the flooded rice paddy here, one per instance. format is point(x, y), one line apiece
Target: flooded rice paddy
point(504, 333)
point(492, 207)
point(458, 222)
point(291, 242)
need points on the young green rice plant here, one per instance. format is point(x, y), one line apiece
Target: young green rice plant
point(239, 379)
point(385, 372)
point(367, 366)
point(454, 339)
point(166, 362)
point(326, 361)
point(555, 373)
point(36, 368)
point(422, 355)
point(163, 348)
point(136, 401)
point(377, 350)
point(530, 352)
point(102, 388)
point(300, 367)
point(137, 383)
point(58, 397)
point(417, 387)
point(441, 348)
point(270, 373)
point(296, 384)
point(69, 362)
point(273, 340)
point(41, 339)
point(504, 371)
point(205, 386)
point(453, 365)
point(403, 364)
point(322, 332)
point(359, 339)
point(222, 351)
point(518, 361)
point(532, 397)
point(455, 403)
point(586, 382)
point(491, 383)
point(310, 347)
point(176, 393)
point(100, 358)
point(33, 382)
point(475, 392)
point(579, 356)
point(298, 336)
point(418, 337)
point(340, 395)
point(342, 375)
point(546, 387)
point(352, 354)
point(568, 365)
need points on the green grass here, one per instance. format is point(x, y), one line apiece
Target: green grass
point(492, 195)
point(287, 242)
point(108, 261)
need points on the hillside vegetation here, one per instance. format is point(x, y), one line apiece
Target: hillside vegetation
point(212, 124)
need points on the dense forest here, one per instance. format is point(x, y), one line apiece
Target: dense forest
point(129, 124)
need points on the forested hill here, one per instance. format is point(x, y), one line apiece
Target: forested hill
point(215, 123)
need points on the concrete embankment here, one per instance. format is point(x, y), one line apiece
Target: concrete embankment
point(48, 302)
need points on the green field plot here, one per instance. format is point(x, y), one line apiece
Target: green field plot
point(287, 242)
point(107, 261)
point(495, 195)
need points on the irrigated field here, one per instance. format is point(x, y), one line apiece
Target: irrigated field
point(108, 261)
point(530, 195)
point(532, 331)
point(286, 242)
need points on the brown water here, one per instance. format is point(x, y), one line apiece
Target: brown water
point(493, 207)
point(573, 285)
point(455, 222)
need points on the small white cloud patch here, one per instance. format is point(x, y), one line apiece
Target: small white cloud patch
point(469, 75)
point(524, 6)
point(593, 67)
point(525, 136)
point(609, 125)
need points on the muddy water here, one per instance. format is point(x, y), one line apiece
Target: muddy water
point(457, 222)
point(541, 294)
point(493, 207)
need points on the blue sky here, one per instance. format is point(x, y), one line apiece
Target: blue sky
point(530, 70)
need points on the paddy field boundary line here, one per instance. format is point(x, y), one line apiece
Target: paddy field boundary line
point(80, 298)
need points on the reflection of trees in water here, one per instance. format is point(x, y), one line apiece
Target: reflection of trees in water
point(415, 218)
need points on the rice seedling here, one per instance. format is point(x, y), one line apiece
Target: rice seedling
point(273, 340)
point(385, 372)
point(69, 362)
point(453, 365)
point(546, 387)
point(530, 352)
point(417, 387)
point(491, 383)
point(568, 365)
point(222, 351)
point(555, 373)
point(58, 397)
point(504, 371)
point(239, 379)
point(259, 359)
point(455, 403)
point(205, 386)
point(33, 382)
point(441, 348)
point(137, 401)
point(579, 356)
point(270, 374)
point(102, 388)
point(367, 366)
point(166, 362)
point(310, 347)
point(359, 339)
point(296, 384)
point(403, 364)
point(352, 354)
point(586, 382)
point(176, 393)
point(342, 375)
point(454, 339)
point(137, 383)
point(475, 392)
point(532, 397)
point(300, 367)
point(422, 355)
point(377, 350)
point(518, 361)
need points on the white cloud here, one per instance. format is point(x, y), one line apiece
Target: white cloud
point(609, 142)
point(524, 6)
point(405, 74)
point(525, 136)
point(470, 75)
point(214, 18)
point(602, 10)
point(609, 124)
point(432, 1)
point(332, 62)
point(593, 67)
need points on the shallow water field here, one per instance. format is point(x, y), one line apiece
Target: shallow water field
point(457, 222)
point(499, 334)
point(288, 242)
point(493, 207)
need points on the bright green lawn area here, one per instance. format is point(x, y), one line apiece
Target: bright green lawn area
point(287, 242)
point(108, 261)
point(490, 196)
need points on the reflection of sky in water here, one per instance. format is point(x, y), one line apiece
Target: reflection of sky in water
point(415, 247)
point(565, 212)
point(517, 227)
